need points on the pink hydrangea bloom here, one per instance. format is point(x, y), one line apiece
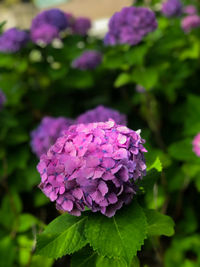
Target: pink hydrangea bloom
point(47, 133)
point(190, 10)
point(94, 165)
point(190, 22)
point(196, 145)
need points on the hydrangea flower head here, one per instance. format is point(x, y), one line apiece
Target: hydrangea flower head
point(190, 22)
point(53, 17)
point(102, 114)
point(130, 25)
point(13, 40)
point(88, 60)
point(45, 34)
point(196, 144)
point(190, 10)
point(2, 99)
point(172, 8)
point(47, 133)
point(94, 165)
point(81, 26)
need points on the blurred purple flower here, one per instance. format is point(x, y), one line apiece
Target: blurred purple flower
point(70, 19)
point(102, 114)
point(190, 22)
point(47, 133)
point(89, 59)
point(53, 17)
point(81, 26)
point(94, 165)
point(2, 99)
point(190, 10)
point(196, 144)
point(172, 8)
point(13, 40)
point(130, 25)
point(140, 89)
point(46, 33)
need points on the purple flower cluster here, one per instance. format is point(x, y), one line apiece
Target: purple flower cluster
point(2, 99)
point(196, 145)
point(47, 25)
point(130, 25)
point(47, 133)
point(102, 114)
point(88, 60)
point(172, 8)
point(190, 10)
point(13, 40)
point(44, 34)
point(50, 128)
point(94, 165)
point(190, 22)
point(79, 25)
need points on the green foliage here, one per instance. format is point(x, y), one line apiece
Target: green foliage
point(119, 230)
point(64, 235)
point(159, 224)
point(147, 77)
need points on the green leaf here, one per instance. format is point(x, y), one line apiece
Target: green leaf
point(7, 252)
point(136, 54)
point(145, 77)
point(64, 235)
point(120, 236)
point(106, 262)
point(159, 224)
point(38, 261)
point(156, 165)
point(86, 257)
point(26, 221)
point(192, 113)
point(122, 79)
point(135, 262)
point(182, 150)
point(149, 180)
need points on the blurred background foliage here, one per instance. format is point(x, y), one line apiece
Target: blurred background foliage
point(39, 81)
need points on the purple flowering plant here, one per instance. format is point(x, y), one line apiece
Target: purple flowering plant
point(172, 8)
point(47, 133)
point(13, 40)
point(94, 173)
point(88, 60)
point(130, 25)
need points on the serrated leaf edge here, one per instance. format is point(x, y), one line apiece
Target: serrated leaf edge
point(67, 253)
point(140, 244)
